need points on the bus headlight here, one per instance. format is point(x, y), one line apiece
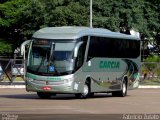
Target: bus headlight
point(68, 80)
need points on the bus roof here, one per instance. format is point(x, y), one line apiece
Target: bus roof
point(73, 32)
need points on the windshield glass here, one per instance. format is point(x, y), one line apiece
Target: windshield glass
point(50, 57)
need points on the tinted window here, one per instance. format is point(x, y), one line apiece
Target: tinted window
point(113, 48)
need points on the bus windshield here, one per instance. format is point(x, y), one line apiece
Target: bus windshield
point(47, 58)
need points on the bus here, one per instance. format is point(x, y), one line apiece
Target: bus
point(81, 61)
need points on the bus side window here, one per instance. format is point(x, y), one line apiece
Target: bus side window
point(92, 48)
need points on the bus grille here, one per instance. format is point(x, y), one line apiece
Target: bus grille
point(42, 82)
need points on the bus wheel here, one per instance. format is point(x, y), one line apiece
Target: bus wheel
point(86, 92)
point(44, 95)
point(91, 94)
point(122, 92)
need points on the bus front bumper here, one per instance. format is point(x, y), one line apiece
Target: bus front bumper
point(65, 86)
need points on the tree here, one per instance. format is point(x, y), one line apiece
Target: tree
point(72, 14)
point(5, 48)
point(10, 11)
point(19, 19)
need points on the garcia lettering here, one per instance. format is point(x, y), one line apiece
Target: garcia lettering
point(109, 64)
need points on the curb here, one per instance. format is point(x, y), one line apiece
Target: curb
point(23, 86)
point(12, 86)
point(148, 86)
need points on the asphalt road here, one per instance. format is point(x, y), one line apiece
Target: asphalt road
point(139, 101)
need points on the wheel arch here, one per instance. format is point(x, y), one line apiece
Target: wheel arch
point(88, 81)
point(125, 78)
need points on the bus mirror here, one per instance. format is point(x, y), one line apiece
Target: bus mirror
point(75, 53)
point(77, 48)
point(23, 46)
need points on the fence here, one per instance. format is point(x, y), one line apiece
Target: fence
point(12, 70)
point(150, 73)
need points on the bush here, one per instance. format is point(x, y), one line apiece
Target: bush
point(152, 58)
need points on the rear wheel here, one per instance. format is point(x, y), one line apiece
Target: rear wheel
point(86, 92)
point(122, 92)
point(44, 95)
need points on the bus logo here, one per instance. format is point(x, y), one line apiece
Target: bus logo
point(51, 68)
point(109, 64)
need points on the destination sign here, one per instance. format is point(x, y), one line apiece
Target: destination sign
point(42, 42)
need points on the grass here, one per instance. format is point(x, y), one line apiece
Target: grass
point(14, 79)
point(150, 81)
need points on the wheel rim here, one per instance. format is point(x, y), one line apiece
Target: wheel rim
point(85, 90)
point(124, 88)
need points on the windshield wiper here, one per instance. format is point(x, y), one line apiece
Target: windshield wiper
point(51, 52)
point(51, 58)
point(43, 58)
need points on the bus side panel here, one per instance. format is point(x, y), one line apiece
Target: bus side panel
point(106, 74)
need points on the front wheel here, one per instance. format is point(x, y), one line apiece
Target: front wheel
point(86, 92)
point(122, 92)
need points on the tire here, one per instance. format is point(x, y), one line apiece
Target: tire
point(44, 95)
point(86, 92)
point(122, 92)
point(91, 94)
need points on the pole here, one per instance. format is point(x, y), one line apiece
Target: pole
point(91, 13)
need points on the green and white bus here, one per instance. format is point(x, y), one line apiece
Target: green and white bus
point(82, 61)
